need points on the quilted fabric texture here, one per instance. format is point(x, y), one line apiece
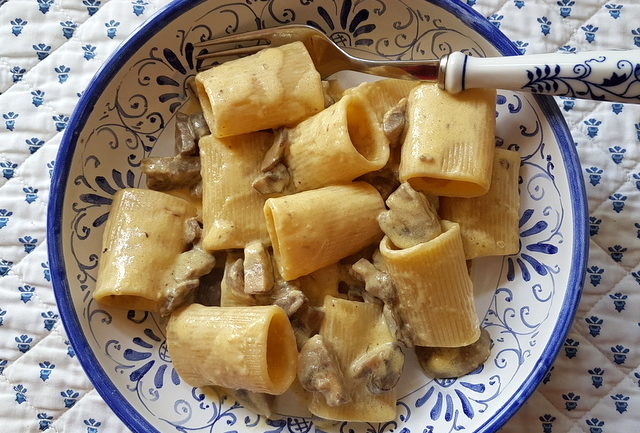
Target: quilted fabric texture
point(50, 49)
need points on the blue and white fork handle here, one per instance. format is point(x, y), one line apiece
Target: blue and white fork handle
point(598, 75)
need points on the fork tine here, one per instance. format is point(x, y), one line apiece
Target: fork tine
point(237, 37)
point(233, 52)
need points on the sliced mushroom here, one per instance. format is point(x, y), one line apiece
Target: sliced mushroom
point(306, 323)
point(288, 296)
point(257, 402)
point(393, 122)
point(233, 278)
point(445, 362)
point(189, 130)
point(199, 125)
point(411, 218)
point(192, 231)
point(319, 371)
point(273, 181)
point(380, 366)
point(185, 141)
point(276, 151)
point(189, 267)
point(171, 172)
point(376, 282)
point(258, 272)
point(400, 330)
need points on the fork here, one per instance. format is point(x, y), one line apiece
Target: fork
point(599, 75)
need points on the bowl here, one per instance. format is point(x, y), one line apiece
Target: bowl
point(526, 301)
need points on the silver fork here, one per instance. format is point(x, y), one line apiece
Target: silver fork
point(597, 75)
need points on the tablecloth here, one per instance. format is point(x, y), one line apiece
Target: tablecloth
point(49, 49)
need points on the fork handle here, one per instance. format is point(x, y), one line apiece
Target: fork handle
point(598, 75)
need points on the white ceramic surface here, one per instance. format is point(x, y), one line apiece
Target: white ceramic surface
point(527, 300)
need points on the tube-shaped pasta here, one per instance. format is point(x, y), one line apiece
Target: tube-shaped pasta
point(313, 229)
point(231, 208)
point(272, 88)
point(489, 223)
point(142, 240)
point(320, 283)
point(336, 145)
point(382, 95)
point(349, 330)
point(435, 293)
point(449, 142)
point(250, 348)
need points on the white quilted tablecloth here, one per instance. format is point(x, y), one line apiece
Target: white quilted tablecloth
point(49, 49)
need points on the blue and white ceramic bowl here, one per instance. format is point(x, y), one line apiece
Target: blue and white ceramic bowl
point(526, 301)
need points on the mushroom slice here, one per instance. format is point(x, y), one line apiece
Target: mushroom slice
point(258, 402)
point(189, 267)
point(400, 330)
point(258, 272)
point(189, 130)
point(233, 278)
point(276, 151)
point(381, 366)
point(199, 125)
point(411, 218)
point(318, 371)
point(171, 172)
point(288, 296)
point(273, 181)
point(446, 362)
point(376, 282)
point(393, 122)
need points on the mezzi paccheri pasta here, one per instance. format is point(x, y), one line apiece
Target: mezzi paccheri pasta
point(323, 237)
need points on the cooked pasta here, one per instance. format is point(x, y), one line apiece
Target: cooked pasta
point(231, 208)
point(251, 348)
point(336, 145)
point(435, 293)
point(448, 148)
point(313, 229)
point(489, 223)
point(142, 241)
point(275, 87)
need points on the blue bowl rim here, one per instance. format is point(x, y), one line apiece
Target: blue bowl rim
point(106, 73)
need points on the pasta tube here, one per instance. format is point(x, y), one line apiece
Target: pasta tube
point(382, 95)
point(272, 88)
point(489, 223)
point(313, 229)
point(142, 241)
point(231, 208)
point(336, 145)
point(435, 293)
point(250, 348)
point(449, 142)
point(350, 329)
point(320, 283)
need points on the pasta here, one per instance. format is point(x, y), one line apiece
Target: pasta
point(438, 158)
point(281, 259)
point(489, 223)
point(313, 229)
point(138, 254)
point(336, 145)
point(351, 329)
point(276, 87)
point(251, 348)
point(435, 292)
point(231, 208)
